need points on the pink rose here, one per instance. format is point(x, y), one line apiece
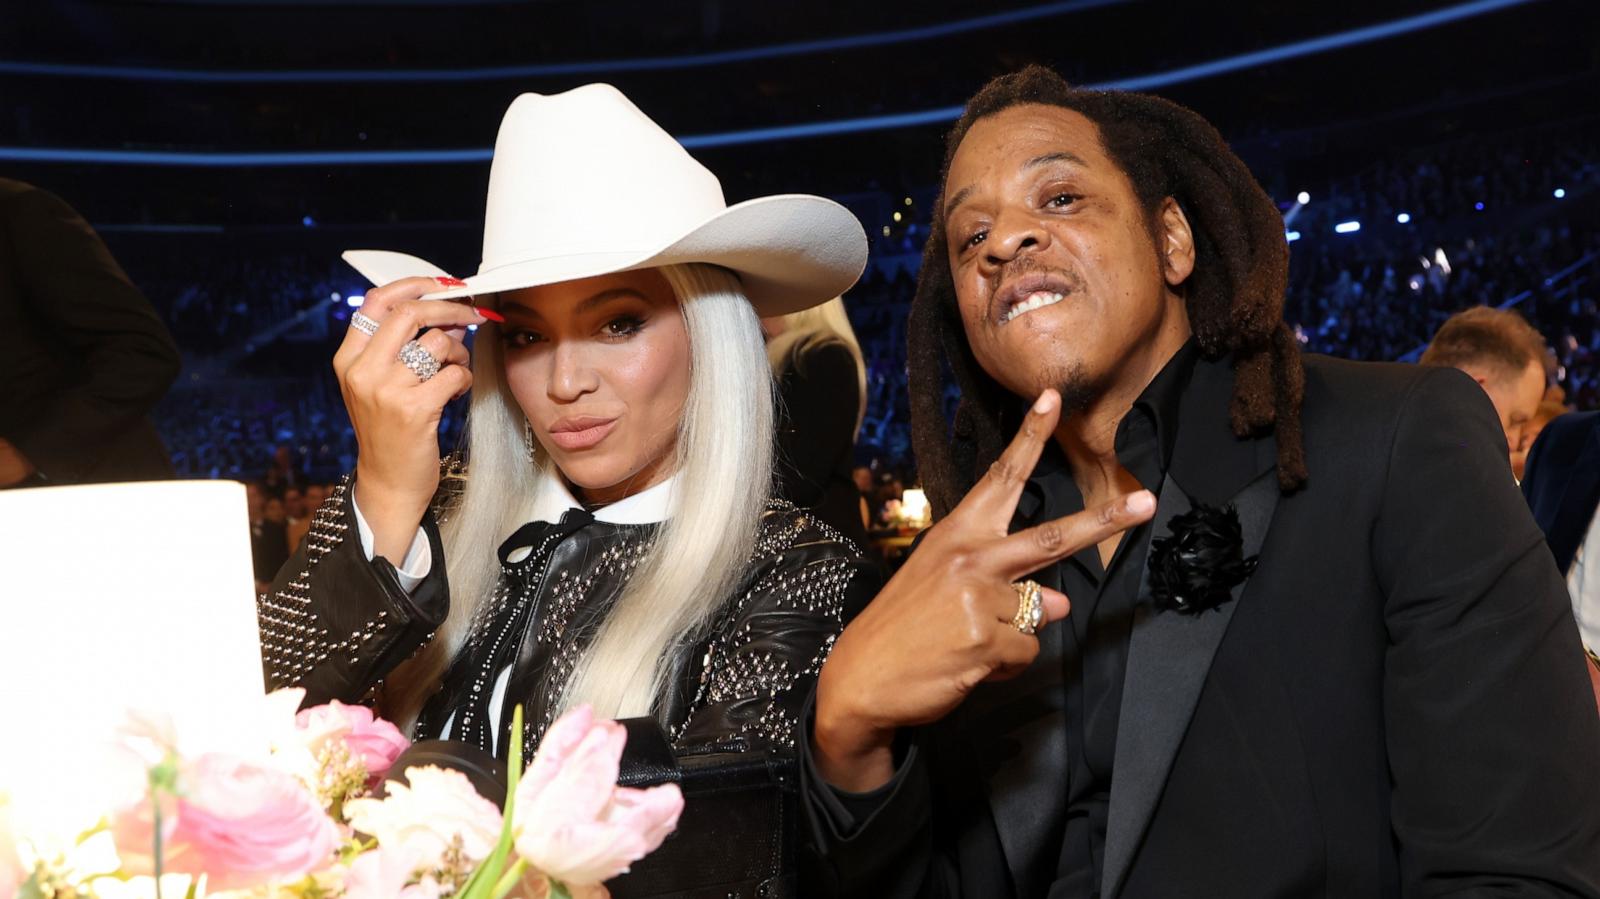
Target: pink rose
point(572, 820)
point(374, 741)
point(245, 824)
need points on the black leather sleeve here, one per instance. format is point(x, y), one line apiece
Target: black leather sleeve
point(879, 844)
point(806, 582)
point(334, 622)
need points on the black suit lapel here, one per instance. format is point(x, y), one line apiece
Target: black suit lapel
point(1169, 654)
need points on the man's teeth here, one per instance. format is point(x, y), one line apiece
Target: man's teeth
point(1036, 300)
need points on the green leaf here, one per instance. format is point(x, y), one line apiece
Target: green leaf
point(558, 890)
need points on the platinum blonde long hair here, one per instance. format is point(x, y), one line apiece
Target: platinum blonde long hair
point(724, 474)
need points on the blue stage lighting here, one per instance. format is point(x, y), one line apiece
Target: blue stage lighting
point(354, 300)
point(1347, 227)
point(1560, 192)
point(1292, 236)
point(1403, 218)
point(308, 221)
point(1302, 198)
point(1478, 205)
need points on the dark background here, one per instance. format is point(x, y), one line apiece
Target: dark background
point(1497, 108)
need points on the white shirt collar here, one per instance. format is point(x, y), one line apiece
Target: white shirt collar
point(645, 507)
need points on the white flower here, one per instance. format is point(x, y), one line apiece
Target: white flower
point(384, 873)
point(294, 749)
point(437, 807)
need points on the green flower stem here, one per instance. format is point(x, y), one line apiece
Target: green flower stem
point(486, 879)
point(510, 878)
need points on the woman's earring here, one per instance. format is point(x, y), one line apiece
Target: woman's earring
point(527, 437)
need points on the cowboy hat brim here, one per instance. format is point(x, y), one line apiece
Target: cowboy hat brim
point(791, 252)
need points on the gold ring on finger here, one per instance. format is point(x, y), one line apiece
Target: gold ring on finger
point(1030, 607)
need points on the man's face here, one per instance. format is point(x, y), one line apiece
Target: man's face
point(1059, 280)
point(1516, 398)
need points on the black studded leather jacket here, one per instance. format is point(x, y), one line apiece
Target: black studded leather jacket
point(336, 624)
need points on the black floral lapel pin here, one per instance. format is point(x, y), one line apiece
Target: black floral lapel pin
point(1197, 565)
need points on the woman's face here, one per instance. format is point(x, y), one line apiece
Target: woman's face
point(601, 369)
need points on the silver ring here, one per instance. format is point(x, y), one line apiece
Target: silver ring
point(421, 362)
point(365, 325)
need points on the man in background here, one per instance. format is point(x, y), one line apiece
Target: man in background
point(1563, 491)
point(83, 354)
point(1505, 355)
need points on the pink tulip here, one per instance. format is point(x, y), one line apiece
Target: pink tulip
point(374, 741)
point(244, 824)
point(572, 820)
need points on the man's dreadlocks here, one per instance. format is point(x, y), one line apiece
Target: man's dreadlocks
point(1234, 296)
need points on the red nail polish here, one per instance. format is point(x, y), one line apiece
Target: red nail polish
point(451, 282)
point(489, 314)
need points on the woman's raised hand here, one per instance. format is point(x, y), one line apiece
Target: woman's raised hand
point(394, 411)
point(943, 623)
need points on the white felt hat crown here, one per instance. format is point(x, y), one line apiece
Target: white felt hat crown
point(584, 184)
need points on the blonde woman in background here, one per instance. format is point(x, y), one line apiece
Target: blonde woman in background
point(614, 542)
point(822, 398)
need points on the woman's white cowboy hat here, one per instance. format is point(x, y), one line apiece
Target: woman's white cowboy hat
point(584, 184)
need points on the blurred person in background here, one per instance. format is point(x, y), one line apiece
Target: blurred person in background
point(1548, 411)
point(297, 505)
point(282, 474)
point(1563, 491)
point(822, 397)
point(269, 539)
point(1505, 355)
point(86, 356)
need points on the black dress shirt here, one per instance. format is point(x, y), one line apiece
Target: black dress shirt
point(1103, 599)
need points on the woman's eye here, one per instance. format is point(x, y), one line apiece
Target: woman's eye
point(520, 338)
point(1062, 200)
point(624, 326)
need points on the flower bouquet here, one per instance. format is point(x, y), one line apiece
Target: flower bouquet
point(304, 818)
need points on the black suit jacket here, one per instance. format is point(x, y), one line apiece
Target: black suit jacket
point(84, 355)
point(1394, 704)
point(1562, 482)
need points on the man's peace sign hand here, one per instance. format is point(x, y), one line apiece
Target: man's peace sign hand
point(943, 623)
